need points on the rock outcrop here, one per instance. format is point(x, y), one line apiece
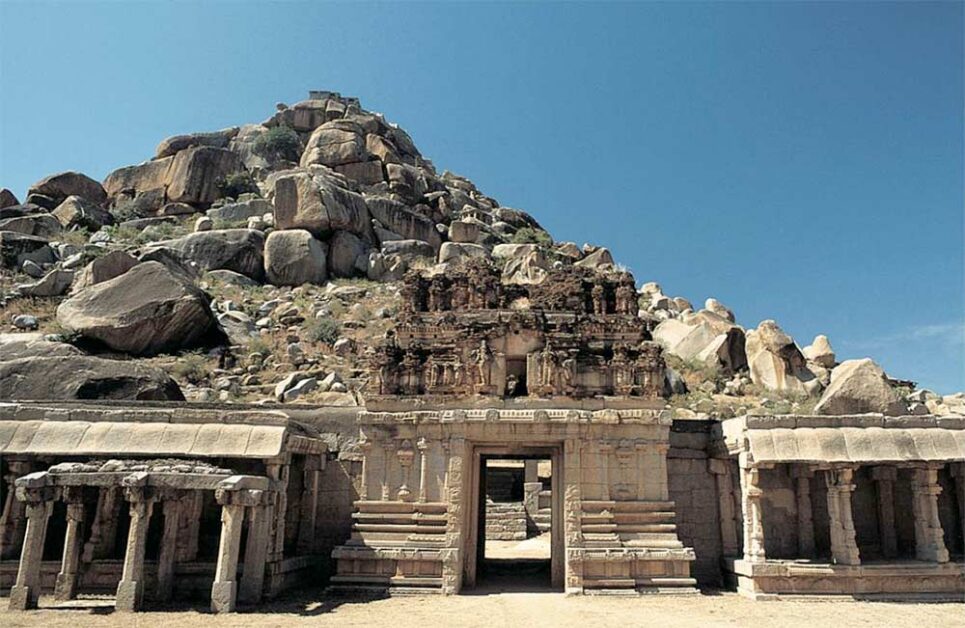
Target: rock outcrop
point(776, 362)
point(84, 377)
point(147, 310)
point(857, 387)
point(295, 257)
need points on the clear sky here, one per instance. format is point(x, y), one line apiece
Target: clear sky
point(798, 161)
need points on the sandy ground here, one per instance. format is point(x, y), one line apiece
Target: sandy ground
point(522, 610)
point(536, 547)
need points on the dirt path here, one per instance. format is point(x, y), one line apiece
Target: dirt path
point(522, 610)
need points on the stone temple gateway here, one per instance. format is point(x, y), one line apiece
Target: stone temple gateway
point(234, 504)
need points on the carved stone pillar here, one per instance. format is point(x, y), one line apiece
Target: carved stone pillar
point(386, 459)
point(224, 591)
point(39, 504)
point(278, 473)
point(805, 521)
point(721, 469)
point(192, 508)
point(604, 450)
point(13, 522)
point(929, 536)
point(844, 547)
point(169, 547)
point(884, 478)
point(103, 531)
point(753, 514)
point(366, 446)
point(451, 555)
point(423, 448)
point(311, 479)
point(572, 515)
point(256, 551)
point(66, 585)
point(130, 590)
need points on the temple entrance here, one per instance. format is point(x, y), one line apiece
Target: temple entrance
point(516, 521)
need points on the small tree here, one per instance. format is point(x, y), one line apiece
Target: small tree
point(277, 144)
point(529, 235)
point(236, 184)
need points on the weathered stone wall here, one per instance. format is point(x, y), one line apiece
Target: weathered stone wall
point(338, 489)
point(693, 488)
point(780, 512)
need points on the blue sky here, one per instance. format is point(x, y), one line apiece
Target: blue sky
point(798, 161)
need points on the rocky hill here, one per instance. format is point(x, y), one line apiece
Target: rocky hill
point(257, 263)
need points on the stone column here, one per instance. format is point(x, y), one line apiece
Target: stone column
point(753, 514)
point(572, 499)
point(604, 450)
point(451, 555)
point(387, 448)
point(13, 522)
point(844, 547)
point(224, 591)
point(278, 474)
point(405, 454)
point(884, 478)
point(169, 547)
point(725, 505)
point(309, 510)
point(256, 550)
point(130, 590)
point(805, 521)
point(192, 507)
point(66, 585)
point(39, 504)
point(423, 448)
point(366, 446)
point(929, 536)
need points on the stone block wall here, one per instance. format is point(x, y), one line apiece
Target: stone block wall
point(338, 489)
point(505, 521)
point(693, 488)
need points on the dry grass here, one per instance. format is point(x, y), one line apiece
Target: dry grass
point(44, 309)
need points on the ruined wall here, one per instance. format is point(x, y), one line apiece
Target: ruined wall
point(780, 512)
point(694, 490)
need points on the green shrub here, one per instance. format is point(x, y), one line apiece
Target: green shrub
point(529, 235)
point(191, 367)
point(278, 143)
point(324, 330)
point(236, 184)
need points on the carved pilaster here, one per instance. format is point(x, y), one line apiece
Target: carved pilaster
point(844, 547)
point(929, 536)
point(751, 494)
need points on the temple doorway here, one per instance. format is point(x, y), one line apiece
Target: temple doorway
point(515, 514)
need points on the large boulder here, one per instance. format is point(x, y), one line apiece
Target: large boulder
point(776, 362)
point(398, 218)
point(295, 257)
point(77, 211)
point(453, 251)
point(240, 211)
point(600, 258)
point(149, 178)
point(196, 174)
point(240, 250)
point(216, 139)
point(820, 352)
point(84, 377)
point(147, 310)
point(857, 387)
point(40, 225)
point(705, 337)
point(7, 198)
point(59, 186)
point(103, 268)
point(318, 201)
point(335, 143)
point(16, 248)
point(347, 255)
point(33, 345)
point(52, 284)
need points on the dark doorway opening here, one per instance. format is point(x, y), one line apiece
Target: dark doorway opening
point(514, 546)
